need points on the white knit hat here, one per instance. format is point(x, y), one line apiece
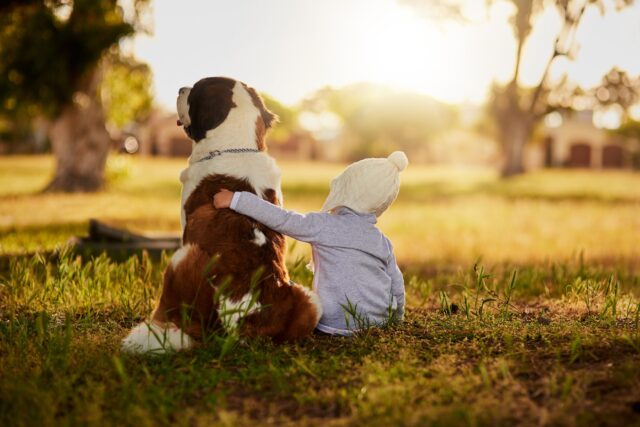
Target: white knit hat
point(369, 185)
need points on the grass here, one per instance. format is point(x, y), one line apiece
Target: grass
point(543, 330)
point(442, 215)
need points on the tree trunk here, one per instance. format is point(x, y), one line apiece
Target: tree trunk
point(80, 141)
point(514, 138)
point(515, 126)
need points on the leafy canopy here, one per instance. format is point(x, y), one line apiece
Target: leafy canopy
point(47, 48)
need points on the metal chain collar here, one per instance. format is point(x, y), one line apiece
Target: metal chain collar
point(216, 153)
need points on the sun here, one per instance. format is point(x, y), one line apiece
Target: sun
point(405, 51)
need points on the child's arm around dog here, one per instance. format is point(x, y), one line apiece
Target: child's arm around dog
point(355, 263)
point(306, 228)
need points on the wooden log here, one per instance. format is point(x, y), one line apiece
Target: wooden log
point(99, 231)
point(120, 243)
point(123, 250)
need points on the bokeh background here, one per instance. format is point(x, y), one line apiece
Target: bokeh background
point(521, 119)
point(516, 227)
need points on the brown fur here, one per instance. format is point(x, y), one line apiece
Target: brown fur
point(224, 253)
point(210, 101)
point(260, 132)
point(189, 306)
point(271, 196)
point(268, 118)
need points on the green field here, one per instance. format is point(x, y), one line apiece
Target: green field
point(543, 331)
point(441, 215)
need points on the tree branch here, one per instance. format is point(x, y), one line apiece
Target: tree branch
point(570, 26)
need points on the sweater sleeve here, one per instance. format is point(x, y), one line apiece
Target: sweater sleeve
point(397, 283)
point(307, 228)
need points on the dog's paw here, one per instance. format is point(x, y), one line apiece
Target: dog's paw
point(153, 338)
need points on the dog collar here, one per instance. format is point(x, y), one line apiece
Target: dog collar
point(216, 153)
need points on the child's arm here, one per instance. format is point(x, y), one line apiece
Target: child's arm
point(397, 284)
point(306, 228)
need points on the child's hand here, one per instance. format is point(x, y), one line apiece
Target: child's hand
point(222, 199)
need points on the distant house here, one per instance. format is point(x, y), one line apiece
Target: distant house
point(577, 143)
point(460, 147)
point(160, 135)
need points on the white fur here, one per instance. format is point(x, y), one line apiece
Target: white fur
point(237, 131)
point(260, 239)
point(150, 337)
point(259, 169)
point(315, 300)
point(231, 312)
point(184, 175)
point(180, 254)
point(182, 105)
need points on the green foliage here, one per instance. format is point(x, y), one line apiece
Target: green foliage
point(48, 48)
point(399, 121)
point(126, 90)
point(378, 119)
point(441, 215)
point(287, 118)
point(630, 131)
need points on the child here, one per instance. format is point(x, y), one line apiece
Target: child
point(355, 268)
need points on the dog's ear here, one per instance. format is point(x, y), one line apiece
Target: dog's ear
point(268, 117)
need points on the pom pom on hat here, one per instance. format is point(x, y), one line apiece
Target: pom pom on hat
point(399, 160)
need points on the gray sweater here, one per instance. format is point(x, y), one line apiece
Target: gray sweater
point(356, 275)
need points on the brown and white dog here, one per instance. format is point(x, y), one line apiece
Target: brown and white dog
point(230, 271)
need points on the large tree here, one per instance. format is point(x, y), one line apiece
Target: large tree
point(50, 66)
point(516, 108)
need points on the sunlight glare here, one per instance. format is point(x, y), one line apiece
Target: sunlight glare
point(337, 43)
point(608, 118)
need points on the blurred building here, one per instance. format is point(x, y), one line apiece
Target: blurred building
point(160, 135)
point(573, 141)
point(460, 147)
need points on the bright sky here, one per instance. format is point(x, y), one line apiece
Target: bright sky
point(289, 48)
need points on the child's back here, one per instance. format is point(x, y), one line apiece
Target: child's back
point(354, 266)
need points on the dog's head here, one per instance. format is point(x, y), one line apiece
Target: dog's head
point(214, 103)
